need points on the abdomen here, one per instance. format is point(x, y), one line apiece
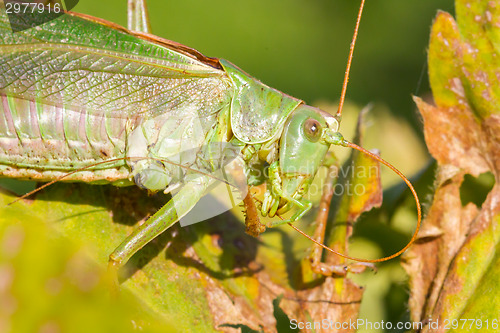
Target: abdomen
point(43, 142)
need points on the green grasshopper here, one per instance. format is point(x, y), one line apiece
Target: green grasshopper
point(83, 99)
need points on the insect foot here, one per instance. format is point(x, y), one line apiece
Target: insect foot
point(339, 270)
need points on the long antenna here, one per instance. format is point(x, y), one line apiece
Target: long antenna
point(346, 143)
point(349, 61)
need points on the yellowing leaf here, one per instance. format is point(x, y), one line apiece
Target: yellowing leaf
point(453, 268)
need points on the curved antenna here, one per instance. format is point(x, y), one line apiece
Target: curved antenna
point(60, 178)
point(346, 143)
point(349, 61)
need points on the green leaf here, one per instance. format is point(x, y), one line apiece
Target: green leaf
point(50, 283)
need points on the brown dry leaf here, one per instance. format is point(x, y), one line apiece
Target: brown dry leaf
point(452, 267)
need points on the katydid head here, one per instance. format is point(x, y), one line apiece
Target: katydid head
point(303, 149)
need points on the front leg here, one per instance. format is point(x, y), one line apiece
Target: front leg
point(274, 195)
point(175, 209)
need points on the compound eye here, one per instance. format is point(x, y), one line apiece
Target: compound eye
point(312, 129)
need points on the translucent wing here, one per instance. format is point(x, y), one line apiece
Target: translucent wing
point(83, 63)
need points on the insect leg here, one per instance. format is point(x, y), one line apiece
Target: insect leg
point(171, 212)
point(315, 257)
point(138, 17)
point(272, 199)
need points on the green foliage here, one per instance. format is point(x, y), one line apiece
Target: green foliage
point(53, 284)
